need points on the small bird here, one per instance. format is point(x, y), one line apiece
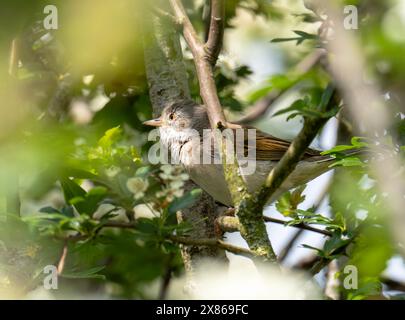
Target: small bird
point(178, 126)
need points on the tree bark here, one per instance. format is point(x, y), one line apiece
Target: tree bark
point(167, 80)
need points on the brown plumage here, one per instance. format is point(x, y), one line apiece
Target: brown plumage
point(175, 124)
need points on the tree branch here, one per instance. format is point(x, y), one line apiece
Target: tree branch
point(294, 153)
point(216, 30)
point(166, 277)
point(251, 206)
point(213, 243)
point(253, 229)
point(168, 82)
point(62, 259)
point(232, 224)
point(208, 90)
point(189, 241)
point(290, 244)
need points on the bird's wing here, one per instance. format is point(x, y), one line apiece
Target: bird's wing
point(268, 147)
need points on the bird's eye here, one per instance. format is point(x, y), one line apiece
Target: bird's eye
point(171, 117)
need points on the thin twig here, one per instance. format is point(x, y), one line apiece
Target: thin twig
point(290, 244)
point(299, 226)
point(166, 278)
point(230, 221)
point(209, 242)
point(290, 159)
point(62, 260)
point(216, 30)
point(231, 224)
point(213, 242)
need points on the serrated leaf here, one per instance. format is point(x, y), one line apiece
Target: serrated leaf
point(297, 197)
point(110, 137)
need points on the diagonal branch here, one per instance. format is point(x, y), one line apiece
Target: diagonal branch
point(208, 90)
point(216, 31)
point(295, 151)
point(62, 260)
point(189, 32)
point(253, 229)
point(254, 203)
point(167, 82)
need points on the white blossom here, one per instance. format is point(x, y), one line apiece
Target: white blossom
point(137, 186)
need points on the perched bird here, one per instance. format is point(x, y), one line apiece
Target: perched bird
point(181, 121)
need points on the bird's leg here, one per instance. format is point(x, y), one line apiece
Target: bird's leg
point(230, 212)
point(219, 233)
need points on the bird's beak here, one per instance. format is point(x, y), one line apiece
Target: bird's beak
point(154, 122)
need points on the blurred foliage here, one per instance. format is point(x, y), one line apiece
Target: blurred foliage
point(74, 150)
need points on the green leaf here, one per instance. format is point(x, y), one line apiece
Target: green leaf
point(309, 106)
point(367, 288)
point(71, 189)
point(349, 162)
point(305, 34)
point(82, 201)
point(186, 201)
point(326, 96)
point(333, 244)
point(319, 251)
point(297, 105)
point(288, 203)
point(49, 210)
point(337, 149)
point(302, 37)
point(356, 144)
point(86, 274)
point(110, 137)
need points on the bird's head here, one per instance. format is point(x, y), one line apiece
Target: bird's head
point(181, 120)
point(182, 115)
